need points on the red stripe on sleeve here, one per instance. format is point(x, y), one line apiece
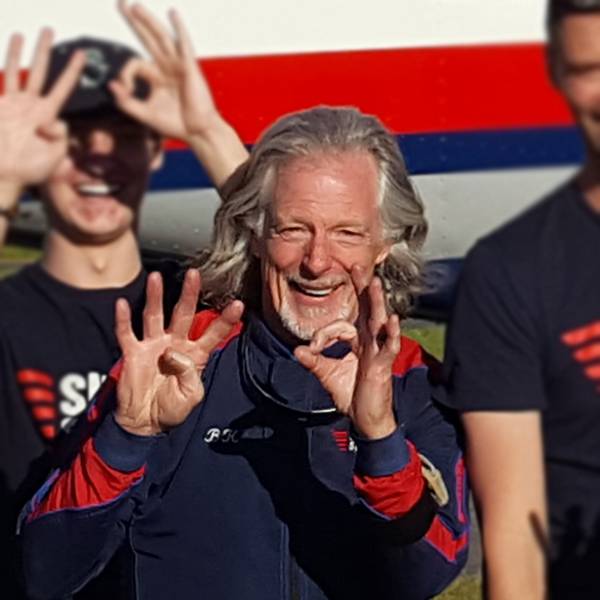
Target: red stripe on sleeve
point(202, 321)
point(440, 536)
point(443, 540)
point(89, 481)
point(393, 495)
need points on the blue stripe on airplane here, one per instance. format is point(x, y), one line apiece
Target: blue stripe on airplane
point(432, 153)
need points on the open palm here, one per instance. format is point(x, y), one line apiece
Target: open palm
point(160, 381)
point(32, 138)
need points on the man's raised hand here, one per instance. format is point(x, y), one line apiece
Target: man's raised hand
point(360, 383)
point(179, 104)
point(160, 381)
point(32, 137)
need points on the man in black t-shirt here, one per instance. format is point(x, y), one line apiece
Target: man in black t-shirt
point(523, 359)
point(84, 129)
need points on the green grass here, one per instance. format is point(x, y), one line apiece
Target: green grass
point(12, 257)
point(11, 252)
point(467, 587)
point(430, 336)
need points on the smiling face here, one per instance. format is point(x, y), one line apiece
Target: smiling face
point(577, 72)
point(324, 219)
point(94, 194)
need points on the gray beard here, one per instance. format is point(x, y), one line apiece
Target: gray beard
point(305, 332)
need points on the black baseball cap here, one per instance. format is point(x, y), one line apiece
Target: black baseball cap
point(104, 61)
point(557, 9)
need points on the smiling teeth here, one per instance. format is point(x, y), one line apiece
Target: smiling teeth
point(96, 189)
point(317, 293)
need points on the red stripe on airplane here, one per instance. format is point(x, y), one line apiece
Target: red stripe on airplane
point(26, 376)
point(413, 90)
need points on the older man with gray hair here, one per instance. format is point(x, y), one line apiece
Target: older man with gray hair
point(308, 460)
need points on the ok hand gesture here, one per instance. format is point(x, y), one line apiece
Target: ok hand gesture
point(180, 104)
point(360, 384)
point(160, 381)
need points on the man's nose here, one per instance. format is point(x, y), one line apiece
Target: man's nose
point(100, 142)
point(317, 257)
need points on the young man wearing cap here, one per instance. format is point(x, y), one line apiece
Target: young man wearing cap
point(522, 358)
point(85, 130)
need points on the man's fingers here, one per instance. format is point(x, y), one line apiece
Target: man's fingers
point(153, 312)
point(184, 369)
point(307, 358)
point(219, 329)
point(123, 329)
point(185, 309)
point(128, 103)
point(39, 64)
point(182, 37)
point(153, 34)
point(12, 64)
point(391, 345)
point(54, 131)
point(337, 331)
point(142, 33)
point(138, 68)
point(377, 310)
point(64, 85)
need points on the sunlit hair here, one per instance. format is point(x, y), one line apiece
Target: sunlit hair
point(230, 270)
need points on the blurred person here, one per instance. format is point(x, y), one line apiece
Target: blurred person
point(85, 130)
point(297, 453)
point(522, 353)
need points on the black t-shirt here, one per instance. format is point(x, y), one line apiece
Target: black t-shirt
point(525, 335)
point(57, 344)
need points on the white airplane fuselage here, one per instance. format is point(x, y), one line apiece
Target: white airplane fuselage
point(461, 83)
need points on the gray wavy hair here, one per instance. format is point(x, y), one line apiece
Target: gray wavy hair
point(230, 270)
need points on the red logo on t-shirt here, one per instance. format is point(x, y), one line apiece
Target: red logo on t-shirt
point(585, 342)
point(39, 392)
point(55, 405)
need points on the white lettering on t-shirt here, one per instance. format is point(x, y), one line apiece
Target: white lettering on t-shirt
point(76, 391)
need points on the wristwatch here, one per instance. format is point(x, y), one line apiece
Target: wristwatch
point(10, 213)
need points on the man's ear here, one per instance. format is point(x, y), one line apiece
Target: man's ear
point(383, 253)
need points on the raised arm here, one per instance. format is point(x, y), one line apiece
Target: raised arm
point(408, 472)
point(79, 517)
point(32, 138)
point(180, 104)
